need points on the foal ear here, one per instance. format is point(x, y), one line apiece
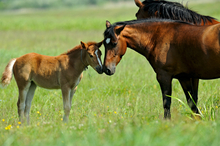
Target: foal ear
point(118, 29)
point(84, 45)
point(99, 44)
point(138, 3)
point(107, 24)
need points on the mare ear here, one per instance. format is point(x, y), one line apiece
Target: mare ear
point(84, 45)
point(99, 44)
point(118, 29)
point(138, 3)
point(107, 24)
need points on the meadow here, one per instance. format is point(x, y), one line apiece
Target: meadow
point(123, 109)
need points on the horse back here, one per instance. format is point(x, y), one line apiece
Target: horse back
point(38, 68)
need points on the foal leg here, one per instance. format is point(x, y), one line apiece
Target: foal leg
point(28, 101)
point(21, 100)
point(66, 102)
point(165, 82)
point(190, 87)
point(71, 95)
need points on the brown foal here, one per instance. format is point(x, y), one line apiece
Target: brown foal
point(59, 72)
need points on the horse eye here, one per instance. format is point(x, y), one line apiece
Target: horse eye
point(91, 56)
point(114, 44)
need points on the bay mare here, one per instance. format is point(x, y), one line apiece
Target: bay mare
point(174, 49)
point(175, 11)
point(171, 10)
point(59, 72)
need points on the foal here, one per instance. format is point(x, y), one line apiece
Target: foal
point(59, 72)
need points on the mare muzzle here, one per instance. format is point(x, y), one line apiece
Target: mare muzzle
point(109, 70)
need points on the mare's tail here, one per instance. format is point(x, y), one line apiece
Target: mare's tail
point(7, 74)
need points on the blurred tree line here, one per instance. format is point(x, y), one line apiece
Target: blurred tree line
point(43, 4)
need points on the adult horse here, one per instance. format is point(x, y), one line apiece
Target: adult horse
point(175, 49)
point(176, 11)
point(171, 10)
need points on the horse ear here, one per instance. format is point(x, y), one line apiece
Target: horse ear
point(99, 44)
point(84, 45)
point(138, 3)
point(108, 24)
point(118, 29)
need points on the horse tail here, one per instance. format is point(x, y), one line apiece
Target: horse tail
point(7, 74)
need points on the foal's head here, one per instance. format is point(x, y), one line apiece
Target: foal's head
point(93, 55)
point(115, 47)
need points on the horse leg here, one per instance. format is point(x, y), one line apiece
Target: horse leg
point(28, 101)
point(71, 95)
point(165, 82)
point(66, 103)
point(21, 100)
point(190, 87)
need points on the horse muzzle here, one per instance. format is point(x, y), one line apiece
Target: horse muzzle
point(99, 69)
point(109, 71)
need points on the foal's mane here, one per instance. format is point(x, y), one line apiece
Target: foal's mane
point(78, 47)
point(109, 32)
point(175, 11)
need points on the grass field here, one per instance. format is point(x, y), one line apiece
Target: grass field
point(124, 109)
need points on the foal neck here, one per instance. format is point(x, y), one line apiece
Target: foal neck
point(77, 56)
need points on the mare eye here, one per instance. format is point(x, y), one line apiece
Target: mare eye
point(91, 56)
point(114, 44)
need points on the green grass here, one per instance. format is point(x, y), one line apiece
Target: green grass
point(124, 109)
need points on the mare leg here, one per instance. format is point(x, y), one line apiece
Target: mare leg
point(66, 102)
point(28, 101)
point(165, 82)
point(21, 99)
point(190, 87)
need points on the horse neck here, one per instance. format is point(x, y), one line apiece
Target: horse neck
point(210, 23)
point(77, 58)
point(133, 37)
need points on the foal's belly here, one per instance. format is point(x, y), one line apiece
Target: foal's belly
point(48, 83)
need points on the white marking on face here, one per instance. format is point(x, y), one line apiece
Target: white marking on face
point(107, 40)
point(96, 53)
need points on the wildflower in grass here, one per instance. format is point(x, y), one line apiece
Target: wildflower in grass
point(8, 127)
point(17, 126)
point(38, 123)
point(115, 112)
point(3, 120)
point(94, 114)
point(19, 123)
point(61, 119)
point(107, 106)
point(38, 112)
point(216, 106)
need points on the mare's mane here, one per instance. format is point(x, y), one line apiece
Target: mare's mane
point(109, 32)
point(175, 11)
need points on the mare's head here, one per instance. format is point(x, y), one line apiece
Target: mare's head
point(171, 10)
point(93, 55)
point(142, 13)
point(115, 47)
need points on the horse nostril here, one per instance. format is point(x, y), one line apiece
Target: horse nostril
point(108, 71)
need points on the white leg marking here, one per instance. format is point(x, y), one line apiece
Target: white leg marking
point(96, 53)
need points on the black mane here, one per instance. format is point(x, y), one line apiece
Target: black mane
point(110, 31)
point(175, 11)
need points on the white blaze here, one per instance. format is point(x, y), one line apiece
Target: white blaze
point(96, 53)
point(107, 40)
